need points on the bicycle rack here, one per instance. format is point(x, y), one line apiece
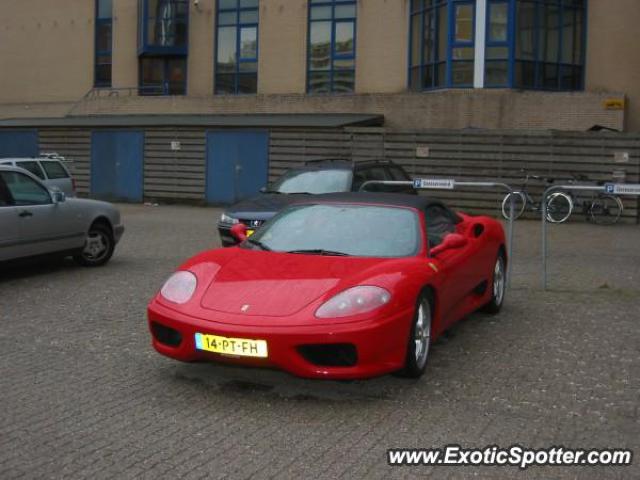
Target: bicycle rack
point(452, 184)
point(610, 188)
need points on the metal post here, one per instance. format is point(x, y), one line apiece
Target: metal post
point(544, 237)
point(511, 214)
point(543, 209)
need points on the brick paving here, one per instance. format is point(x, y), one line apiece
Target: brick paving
point(83, 395)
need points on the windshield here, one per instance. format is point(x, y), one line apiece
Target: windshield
point(355, 230)
point(314, 181)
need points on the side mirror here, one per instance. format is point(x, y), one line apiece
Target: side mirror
point(58, 196)
point(239, 232)
point(450, 242)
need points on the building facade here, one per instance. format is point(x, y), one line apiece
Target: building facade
point(171, 99)
point(561, 64)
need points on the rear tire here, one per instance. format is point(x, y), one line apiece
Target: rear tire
point(98, 248)
point(419, 342)
point(519, 205)
point(606, 210)
point(498, 285)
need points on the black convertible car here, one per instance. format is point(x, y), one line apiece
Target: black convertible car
point(315, 177)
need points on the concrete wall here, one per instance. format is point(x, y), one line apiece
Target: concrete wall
point(46, 50)
point(124, 68)
point(381, 46)
point(283, 47)
point(201, 48)
point(613, 52)
point(439, 109)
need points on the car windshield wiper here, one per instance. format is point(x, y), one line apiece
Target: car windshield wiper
point(258, 244)
point(320, 251)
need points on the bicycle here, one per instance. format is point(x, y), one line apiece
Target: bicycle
point(601, 208)
point(559, 204)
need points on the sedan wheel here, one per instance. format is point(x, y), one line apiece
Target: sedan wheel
point(98, 247)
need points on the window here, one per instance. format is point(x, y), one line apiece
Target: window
point(54, 170)
point(462, 52)
point(162, 46)
point(331, 52)
point(549, 44)
point(24, 190)
point(163, 76)
point(497, 52)
point(530, 44)
point(429, 43)
point(163, 28)
point(103, 42)
point(398, 174)
point(357, 230)
point(367, 174)
point(5, 196)
point(33, 167)
point(313, 181)
point(440, 223)
point(237, 47)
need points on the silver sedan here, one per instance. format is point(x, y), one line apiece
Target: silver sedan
point(37, 221)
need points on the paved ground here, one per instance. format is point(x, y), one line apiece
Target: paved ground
point(84, 396)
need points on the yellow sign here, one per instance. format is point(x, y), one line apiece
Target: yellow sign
point(614, 104)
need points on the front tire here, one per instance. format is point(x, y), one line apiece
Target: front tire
point(98, 248)
point(498, 285)
point(419, 343)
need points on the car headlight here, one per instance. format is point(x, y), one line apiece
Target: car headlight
point(354, 301)
point(224, 218)
point(179, 287)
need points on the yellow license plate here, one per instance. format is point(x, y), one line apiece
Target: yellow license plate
point(250, 232)
point(241, 347)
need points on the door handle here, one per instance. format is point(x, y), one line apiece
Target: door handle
point(25, 213)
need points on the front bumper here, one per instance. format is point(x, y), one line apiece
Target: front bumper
point(380, 343)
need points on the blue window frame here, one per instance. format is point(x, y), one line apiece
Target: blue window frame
point(236, 61)
point(331, 53)
point(103, 44)
point(461, 55)
point(498, 44)
point(163, 75)
point(529, 44)
point(429, 29)
point(163, 27)
point(549, 42)
point(163, 32)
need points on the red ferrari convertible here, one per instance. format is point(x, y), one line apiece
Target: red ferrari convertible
point(339, 286)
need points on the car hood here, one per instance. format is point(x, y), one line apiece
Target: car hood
point(262, 207)
point(271, 284)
